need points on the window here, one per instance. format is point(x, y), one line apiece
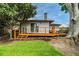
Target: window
point(37, 28)
point(34, 27)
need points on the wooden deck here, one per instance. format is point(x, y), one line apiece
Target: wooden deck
point(24, 36)
point(40, 34)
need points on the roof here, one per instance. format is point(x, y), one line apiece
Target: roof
point(40, 20)
point(50, 21)
point(55, 24)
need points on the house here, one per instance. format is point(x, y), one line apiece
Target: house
point(36, 26)
point(54, 28)
point(42, 28)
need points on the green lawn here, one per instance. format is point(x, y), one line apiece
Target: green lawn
point(28, 48)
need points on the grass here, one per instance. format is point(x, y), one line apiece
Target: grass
point(28, 48)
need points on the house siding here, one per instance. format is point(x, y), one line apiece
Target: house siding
point(43, 27)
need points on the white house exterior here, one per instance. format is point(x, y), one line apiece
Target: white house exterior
point(36, 26)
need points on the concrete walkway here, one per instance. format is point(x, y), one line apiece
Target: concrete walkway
point(64, 46)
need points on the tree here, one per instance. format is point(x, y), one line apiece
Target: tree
point(11, 13)
point(25, 11)
point(73, 9)
point(6, 14)
point(63, 30)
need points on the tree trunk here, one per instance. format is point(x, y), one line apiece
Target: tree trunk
point(74, 22)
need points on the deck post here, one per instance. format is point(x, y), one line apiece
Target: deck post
point(14, 34)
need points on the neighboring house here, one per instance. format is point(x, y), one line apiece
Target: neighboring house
point(54, 28)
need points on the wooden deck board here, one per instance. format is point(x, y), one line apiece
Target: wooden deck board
point(41, 35)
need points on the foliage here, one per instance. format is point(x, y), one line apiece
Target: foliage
point(63, 7)
point(26, 11)
point(11, 13)
point(64, 30)
point(29, 48)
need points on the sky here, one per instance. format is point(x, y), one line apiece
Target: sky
point(54, 13)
